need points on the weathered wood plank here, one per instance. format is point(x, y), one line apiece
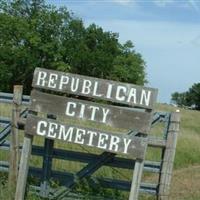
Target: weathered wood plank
point(156, 142)
point(116, 143)
point(137, 176)
point(47, 165)
point(14, 141)
point(23, 168)
point(46, 168)
point(114, 116)
point(169, 155)
point(113, 91)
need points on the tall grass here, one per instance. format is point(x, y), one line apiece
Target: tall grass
point(188, 148)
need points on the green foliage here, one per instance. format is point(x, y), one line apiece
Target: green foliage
point(95, 190)
point(129, 66)
point(194, 95)
point(33, 34)
point(189, 98)
point(179, 98)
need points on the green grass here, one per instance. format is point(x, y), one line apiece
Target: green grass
point(184, 184)
point(188, 148)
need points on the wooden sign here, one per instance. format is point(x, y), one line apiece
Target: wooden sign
point(106, 141)
point(114, 116)
point(118, 117)
point(118, 92)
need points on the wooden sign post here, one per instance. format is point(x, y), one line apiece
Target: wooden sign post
point(14, 141)
point(133, 114)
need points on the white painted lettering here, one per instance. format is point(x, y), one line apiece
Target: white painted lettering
point(109, 91)
point(68, 112)
point(51, 130)
point(145, 97)
point(114, 140)
point(78, 137)
point(93, 113)
point(52, 79)
point(132, 94)
point(86, 89)
point(41, 128)
point(65, 135)
point(74, 84)
point(101, 142)
point(63, 81)
point(126, 144)
point(82, 110)
point(41, 78)
point(95, 90)
point(105, 114)
point(92, 134)
point(119, 90)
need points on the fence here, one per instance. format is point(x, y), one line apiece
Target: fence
point(166, 144)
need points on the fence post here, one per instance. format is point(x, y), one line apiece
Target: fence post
point(14, 140)
point(23, 168)
point(137, 176)
point(46, 168)
point(169, 155)
point(24, 165)
point(47, 164)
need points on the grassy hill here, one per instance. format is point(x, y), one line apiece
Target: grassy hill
point(188, 148)
point(186, 174)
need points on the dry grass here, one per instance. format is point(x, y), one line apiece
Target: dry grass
point(186, 184)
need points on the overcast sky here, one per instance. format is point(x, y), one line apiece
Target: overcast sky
point(165, 32)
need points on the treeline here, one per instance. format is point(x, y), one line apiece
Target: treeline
point(190, 98)
point(34, 34)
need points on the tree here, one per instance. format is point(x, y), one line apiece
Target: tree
point(194, 95)
point(33, 34)
point(129, 66)
point(180, 98)
point(189, 98)
point(30, 36)
point(92, 51)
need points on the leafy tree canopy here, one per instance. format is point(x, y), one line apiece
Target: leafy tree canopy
point(33, 34)
point(189, 98)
